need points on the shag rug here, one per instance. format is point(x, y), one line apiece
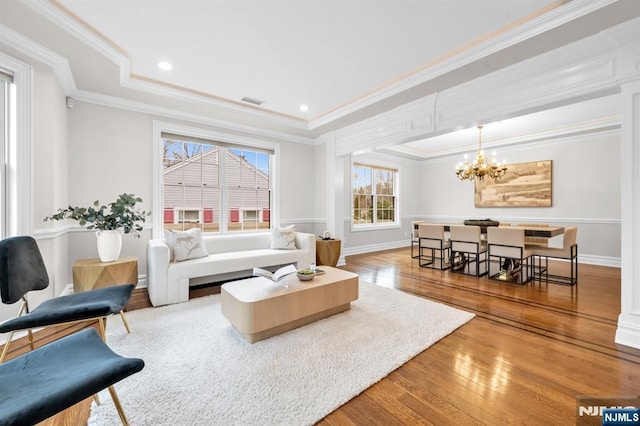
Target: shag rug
point(200, 371)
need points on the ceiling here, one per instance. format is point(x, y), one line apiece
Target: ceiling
point(324, 54)
point(345, 59)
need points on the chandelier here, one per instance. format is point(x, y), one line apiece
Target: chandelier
point(481, 167)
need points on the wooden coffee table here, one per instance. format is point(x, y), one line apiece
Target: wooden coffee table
point(259, 308)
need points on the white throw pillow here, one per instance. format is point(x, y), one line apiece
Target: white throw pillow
point(168, 240)
point(283, 238)
point(188, 245)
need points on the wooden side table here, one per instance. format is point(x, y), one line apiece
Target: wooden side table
point(327, 252)
point(89, 274)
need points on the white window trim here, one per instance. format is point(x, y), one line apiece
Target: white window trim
point(19, 174)
point(161, 126)
point(375, 227)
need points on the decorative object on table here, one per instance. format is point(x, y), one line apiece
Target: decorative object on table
point(482, 223)
point(274, 276)
point(306, 274)
point(481, 166)
point(111, 221)
point(326, 235)
point(526, 185)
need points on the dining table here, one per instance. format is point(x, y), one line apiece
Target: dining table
point(529, 231)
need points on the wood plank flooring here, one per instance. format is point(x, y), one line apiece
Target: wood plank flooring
point(530, 351)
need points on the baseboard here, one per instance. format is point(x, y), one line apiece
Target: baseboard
point(628, 333)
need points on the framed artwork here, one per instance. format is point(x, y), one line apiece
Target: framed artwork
point(524, 185)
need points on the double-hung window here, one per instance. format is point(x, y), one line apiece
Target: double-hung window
point(374, 195)
point(215, 186)
point(7, 108)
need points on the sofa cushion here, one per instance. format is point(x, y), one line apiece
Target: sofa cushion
point(221, 263)
point(187, 245)
point(283, 238)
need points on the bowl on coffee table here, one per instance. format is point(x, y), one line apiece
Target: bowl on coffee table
point(305, 274)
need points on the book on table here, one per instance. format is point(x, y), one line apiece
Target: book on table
point(276, 275)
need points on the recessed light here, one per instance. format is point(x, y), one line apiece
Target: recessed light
point(164, 65)
point(304, 108)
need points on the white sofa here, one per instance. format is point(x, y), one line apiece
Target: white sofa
point(230, 256)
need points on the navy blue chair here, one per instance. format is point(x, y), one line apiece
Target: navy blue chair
point(22, 270)
point(52, 378)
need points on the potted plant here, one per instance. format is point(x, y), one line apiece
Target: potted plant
point(110, 221)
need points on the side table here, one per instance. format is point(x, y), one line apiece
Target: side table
point(89, 274)
point(327, 252)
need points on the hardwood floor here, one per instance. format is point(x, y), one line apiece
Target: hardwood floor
point(530, 351)
point(524, 359)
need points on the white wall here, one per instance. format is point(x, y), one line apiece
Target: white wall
point(50, 177)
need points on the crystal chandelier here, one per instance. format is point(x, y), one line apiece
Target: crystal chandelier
point(481, 167)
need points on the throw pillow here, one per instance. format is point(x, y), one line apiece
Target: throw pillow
point(283, 238)
point(168, 239)
point(188, 245)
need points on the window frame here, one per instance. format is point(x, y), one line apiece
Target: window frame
point(18, 212)
point(160, 127)
point(373, 165)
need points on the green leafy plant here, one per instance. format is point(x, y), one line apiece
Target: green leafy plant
point(119, 214)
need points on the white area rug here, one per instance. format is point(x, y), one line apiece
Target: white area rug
point(200, 371)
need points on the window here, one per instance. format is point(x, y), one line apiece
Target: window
point(374, 195)
point(16, 80)
point(7, 113)
point(214, 186)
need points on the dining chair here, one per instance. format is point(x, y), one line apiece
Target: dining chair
point(41, 383)
point(569, 251)
point(467, 244)
point(415, 237)
point(432, 240)
point(509, 258)
point(22, 270)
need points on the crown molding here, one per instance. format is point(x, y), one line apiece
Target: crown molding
point(37, 52)
point(157, 88)
point(144, 108)
point(57, 14)
point(536, 26)
point(62, 71)
point(566, 133)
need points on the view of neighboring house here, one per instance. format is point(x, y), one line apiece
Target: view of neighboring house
point(193, 194)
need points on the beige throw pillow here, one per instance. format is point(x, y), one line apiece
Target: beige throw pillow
point(283, 238)
point(188, 245)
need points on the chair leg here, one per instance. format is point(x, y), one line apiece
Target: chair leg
point(116, 402)
point(6, 347)
point(30, 334)
point(124, 321)
point(103, 333)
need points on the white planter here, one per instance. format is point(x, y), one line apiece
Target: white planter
point(109, 245)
